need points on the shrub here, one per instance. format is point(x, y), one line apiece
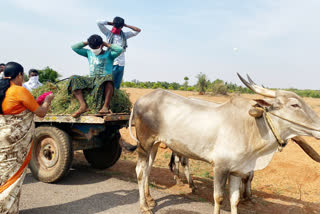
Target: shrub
point(190, 88)
point(129, 85)
point(219, 88)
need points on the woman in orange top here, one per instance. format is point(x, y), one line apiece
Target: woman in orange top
point(17, 109)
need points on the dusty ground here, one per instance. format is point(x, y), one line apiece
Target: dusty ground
point(290, 184)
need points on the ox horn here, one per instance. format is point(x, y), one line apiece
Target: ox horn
point(257, 89)
point(251, 81)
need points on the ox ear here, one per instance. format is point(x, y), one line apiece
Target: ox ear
point(258, 112)
point(263, 102)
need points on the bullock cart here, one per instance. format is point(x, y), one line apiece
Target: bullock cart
point(58, 136)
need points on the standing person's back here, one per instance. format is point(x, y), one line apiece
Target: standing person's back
point(118, 37)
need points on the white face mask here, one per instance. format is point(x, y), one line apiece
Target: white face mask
point(96, 51)
point(34, 79)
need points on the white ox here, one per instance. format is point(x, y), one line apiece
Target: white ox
point(176, 160)
point(226, 136)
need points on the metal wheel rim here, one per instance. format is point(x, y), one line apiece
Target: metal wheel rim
point(47, 152)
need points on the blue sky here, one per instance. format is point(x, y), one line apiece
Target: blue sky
point(277, 41)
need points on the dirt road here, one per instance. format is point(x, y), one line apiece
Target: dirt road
point(87, 191)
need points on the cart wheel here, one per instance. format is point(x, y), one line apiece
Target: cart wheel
point(106, 156)
point(52, 154)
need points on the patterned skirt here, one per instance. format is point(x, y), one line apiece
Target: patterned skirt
point(16, 134)
point(95, 85)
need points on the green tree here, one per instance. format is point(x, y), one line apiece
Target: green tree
point(202, 83)
point(48, 75)
point(25, 77)
point(185, 84)
point(175, 85)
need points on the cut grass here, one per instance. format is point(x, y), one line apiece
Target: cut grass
point(67, 104)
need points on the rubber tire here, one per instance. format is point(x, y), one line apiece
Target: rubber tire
point(64, 147)
point(105, 157)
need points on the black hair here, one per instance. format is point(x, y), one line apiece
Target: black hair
point(2, 64)
point(95, 41)
point(33, 71)
point(11, 71)
point(118, 22)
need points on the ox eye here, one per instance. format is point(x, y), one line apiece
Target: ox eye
point(295, 106)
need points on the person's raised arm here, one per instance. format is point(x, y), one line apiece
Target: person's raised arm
point(79, 48)
point(133, 28)
point(44, 108)
point(103, 28)
point(115, 50)
point(130, 34)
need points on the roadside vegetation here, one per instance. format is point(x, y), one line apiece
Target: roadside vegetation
point(206, 86)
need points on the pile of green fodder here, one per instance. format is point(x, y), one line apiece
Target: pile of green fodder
point(67, 104)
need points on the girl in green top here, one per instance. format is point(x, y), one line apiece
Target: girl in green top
point(100, 79)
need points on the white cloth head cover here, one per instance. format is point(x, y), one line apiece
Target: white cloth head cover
point(33, 83)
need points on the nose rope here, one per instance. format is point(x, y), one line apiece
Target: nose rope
point(296, 123)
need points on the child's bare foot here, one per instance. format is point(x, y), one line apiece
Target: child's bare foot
point(105, 110)
point(80, 111)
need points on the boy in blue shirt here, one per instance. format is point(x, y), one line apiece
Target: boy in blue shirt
point(100, 76)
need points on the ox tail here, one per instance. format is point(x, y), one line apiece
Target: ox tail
point(307, 148)
point(133, 148)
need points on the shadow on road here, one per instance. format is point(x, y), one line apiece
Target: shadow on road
point(93, 204)
point(171, 200)
point(76, 176)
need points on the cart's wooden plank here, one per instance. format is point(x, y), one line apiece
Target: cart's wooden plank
point(70, 119)
point(91, 119)
point(116, 117)
point(105, 114)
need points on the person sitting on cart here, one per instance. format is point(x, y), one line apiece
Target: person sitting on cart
point(100, 79)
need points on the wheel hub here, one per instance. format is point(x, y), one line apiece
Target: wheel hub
point(47, 151)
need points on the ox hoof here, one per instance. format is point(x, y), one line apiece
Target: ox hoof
point(246, 197)
point(194, 190)
point(152, 203)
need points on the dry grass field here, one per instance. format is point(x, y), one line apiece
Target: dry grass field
point(290, 184)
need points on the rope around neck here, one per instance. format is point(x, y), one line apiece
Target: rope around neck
point(281, 143)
